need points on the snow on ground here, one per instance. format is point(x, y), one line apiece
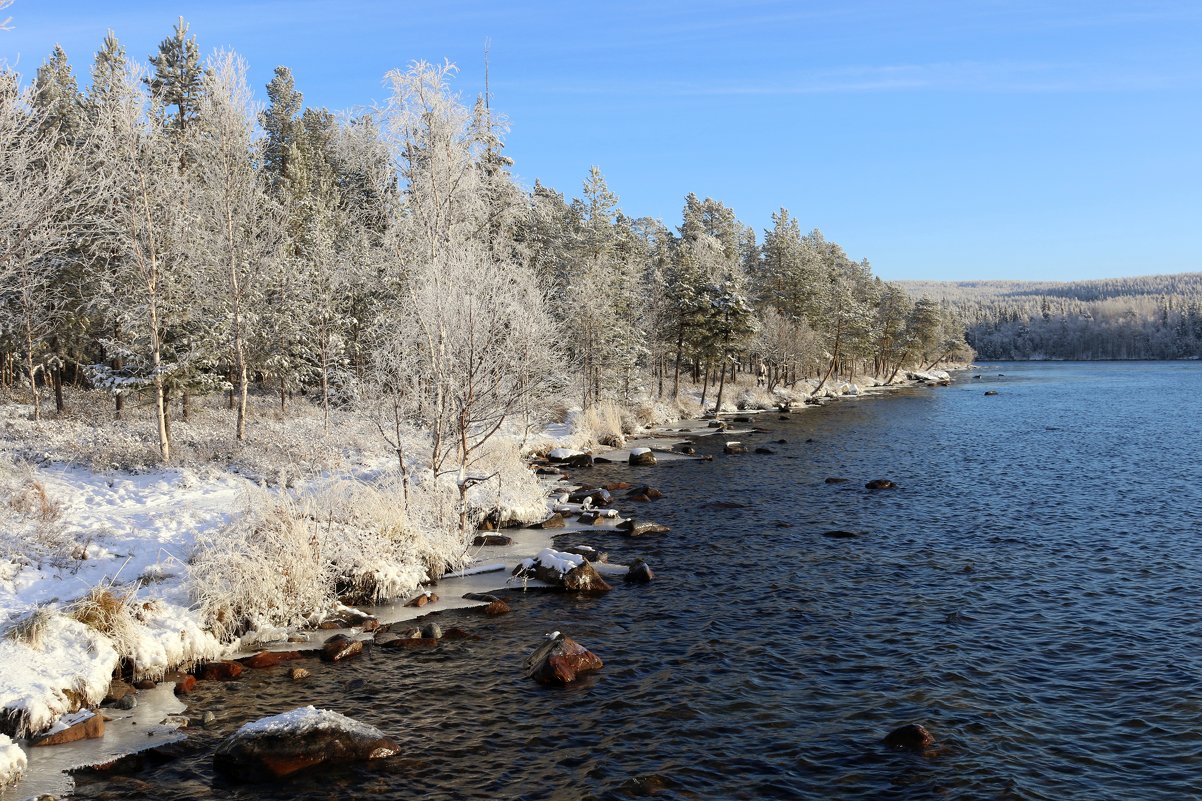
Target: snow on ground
point(63, 659)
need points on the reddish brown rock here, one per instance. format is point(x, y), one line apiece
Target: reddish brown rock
point(457, 633)
point(411, 643)
point(268, 659)
point(339, 648)
point(880, 484)
point(302, 739)
point(491, 539)
point(221, 671)
point(82, 725)
point(497, 608)
point(617, 485)
point(560, 661)
point(911, 737)
point(146, 684)
point(185, 685)
point(419, 601)
point(298, 673)
point(554, 521)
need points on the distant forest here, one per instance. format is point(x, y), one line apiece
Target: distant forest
point(1145, 317)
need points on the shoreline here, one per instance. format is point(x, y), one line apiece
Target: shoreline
point(527, 543)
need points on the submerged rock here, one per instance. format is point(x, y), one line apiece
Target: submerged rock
point(837, 480)
point(298, 673)
point(274, 747)
point(840, 534)
point(991, 392)
point(911, 737)
point(497, 608)
point(221, 671)
point(267, 659)
point(732, 448)
point(432, 631)
point(560, 661)
point(880, 484)
point(765, 451)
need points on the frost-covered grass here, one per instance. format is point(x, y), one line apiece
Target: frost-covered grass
point(282, 446)
point(12, 762)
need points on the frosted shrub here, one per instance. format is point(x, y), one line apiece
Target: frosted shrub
point(604, 423)
point(109, 614)
point(264, 569)
point(511, 492)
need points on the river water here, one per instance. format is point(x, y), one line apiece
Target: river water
point(1032, 593)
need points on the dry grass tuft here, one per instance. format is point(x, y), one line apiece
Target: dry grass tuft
point(30, 628)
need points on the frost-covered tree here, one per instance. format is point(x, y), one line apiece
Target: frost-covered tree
point(44, 196)
point(483, 348)
point(148, 288)
point(237, 230)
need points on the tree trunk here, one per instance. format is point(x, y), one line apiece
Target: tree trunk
point(722, 384)
point(676, 372)
point(705, 386)
point(59, 406)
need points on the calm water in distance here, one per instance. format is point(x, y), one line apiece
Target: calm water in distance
point(1032, 593)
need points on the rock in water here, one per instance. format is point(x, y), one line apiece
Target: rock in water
point(497, 608)
point(880, 484)
point(220, 671)
point(81, 725)
point(340, 647)
point(991, 392)
point(641, 457)
point(837, 480)
point(643, 529)
point(639, 573)
point(569, 571)
point(840, 534)
point(732, 448)
point(492, 539)
point(911, 737)
point(560, 661)
point(554, 521)
point(277, 746)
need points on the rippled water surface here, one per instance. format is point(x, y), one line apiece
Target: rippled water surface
point(1031, 592)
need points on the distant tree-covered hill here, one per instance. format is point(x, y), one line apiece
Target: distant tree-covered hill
point(1144, 317)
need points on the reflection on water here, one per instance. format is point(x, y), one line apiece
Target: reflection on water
point(1030, 593)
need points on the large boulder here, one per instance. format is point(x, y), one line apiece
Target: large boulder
point(560, 661)
point(639, 573)
point(568, 571)
point(277, 746)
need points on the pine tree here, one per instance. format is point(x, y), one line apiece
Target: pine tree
point(178, 79)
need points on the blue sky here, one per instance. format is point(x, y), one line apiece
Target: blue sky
point(941, 140)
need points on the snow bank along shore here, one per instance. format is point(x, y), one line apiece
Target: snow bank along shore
point(147, 573)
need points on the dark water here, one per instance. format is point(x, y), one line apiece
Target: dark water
point(1032, 593)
